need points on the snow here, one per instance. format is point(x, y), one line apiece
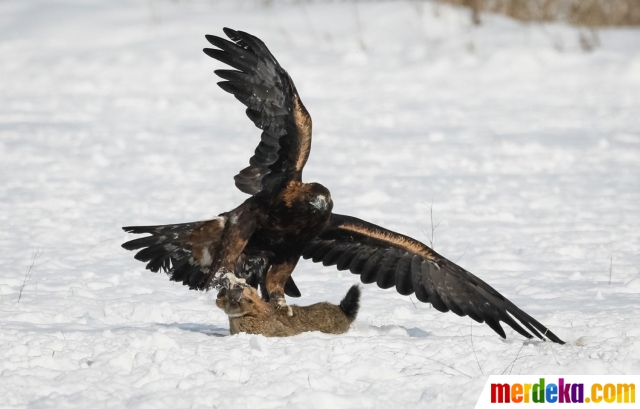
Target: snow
point(526, 148)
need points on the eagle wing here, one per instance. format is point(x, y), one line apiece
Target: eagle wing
point(187, 253)
point(184, 251)
point(273, 104)
point(391, 259)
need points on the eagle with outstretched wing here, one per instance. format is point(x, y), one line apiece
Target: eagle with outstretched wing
point(285, 219)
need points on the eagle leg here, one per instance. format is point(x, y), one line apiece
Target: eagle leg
point(237, 232)
point(276, 279)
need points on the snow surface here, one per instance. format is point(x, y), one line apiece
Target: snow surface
point(526, 147)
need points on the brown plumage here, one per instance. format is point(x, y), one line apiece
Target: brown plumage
point(263, 239)
point(249, 313)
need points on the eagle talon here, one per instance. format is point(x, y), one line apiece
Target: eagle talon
point(279, 302)
point(282, 303)
point(224, 278)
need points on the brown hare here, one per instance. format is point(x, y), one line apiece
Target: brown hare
point(249, 313)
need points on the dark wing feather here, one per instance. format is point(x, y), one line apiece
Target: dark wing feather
point(273, 105)
point(184, 251)
point(391, 259)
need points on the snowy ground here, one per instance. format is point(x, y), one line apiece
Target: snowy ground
point(528, 148)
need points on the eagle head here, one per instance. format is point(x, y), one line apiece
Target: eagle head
point(318, 198)
point(307, 199)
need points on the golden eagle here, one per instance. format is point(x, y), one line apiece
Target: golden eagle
point(285, 219)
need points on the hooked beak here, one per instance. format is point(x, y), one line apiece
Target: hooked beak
point(320, 203)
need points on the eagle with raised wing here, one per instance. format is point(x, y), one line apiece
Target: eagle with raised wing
point(285, 219)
